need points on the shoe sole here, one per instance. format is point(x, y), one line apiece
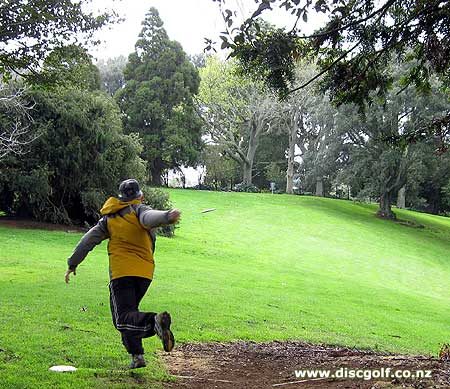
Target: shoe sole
point(137, 366)
point(167, 337)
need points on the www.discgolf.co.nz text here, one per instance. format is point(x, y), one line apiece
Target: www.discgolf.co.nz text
point(365, 374)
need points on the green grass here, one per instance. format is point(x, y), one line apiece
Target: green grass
point(260, 267)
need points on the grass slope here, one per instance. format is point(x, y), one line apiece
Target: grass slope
point(260, 267)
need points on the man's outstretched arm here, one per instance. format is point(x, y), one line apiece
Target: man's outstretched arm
point(151, 218)
point(92, 238)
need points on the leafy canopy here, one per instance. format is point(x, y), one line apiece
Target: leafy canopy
point(353, 49)
point(30, 29)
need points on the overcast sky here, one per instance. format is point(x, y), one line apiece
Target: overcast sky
point(186, 21)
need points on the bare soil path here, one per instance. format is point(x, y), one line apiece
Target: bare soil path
point(272, 365)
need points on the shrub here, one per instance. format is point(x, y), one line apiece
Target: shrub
point(250, 188)
point(203, 187)
point(80, 157)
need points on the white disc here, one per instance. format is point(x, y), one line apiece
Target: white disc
point(62, 368)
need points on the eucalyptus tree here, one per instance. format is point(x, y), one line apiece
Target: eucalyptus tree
point(379, 167)
point(354, 48)
point(292, 118)
point(16, 134)
point(237, 112)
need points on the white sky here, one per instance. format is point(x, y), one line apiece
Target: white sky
point(186, 21)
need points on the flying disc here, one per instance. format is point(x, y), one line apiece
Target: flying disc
point(62, 368)
point(208, 210)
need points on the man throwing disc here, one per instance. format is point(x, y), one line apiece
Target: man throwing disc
point(128, 224)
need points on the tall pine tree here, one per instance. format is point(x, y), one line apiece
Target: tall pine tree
point(157, 100)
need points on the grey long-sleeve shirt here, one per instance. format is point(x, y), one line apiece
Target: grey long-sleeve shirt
point(147, 217)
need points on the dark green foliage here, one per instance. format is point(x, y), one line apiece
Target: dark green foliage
point(354, 46)
point(378, 169)
point(270, 59)
point(69, 66)
point(158, 199)
point(445, 192)
point(75, 164)
point(221, 171)
point(157, 100)
point(249, 188)
point(353, 49)
point(204, 187)
point(270, 161)
point(30, 29)
point(428, 187)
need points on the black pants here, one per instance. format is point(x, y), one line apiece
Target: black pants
point(125, 295)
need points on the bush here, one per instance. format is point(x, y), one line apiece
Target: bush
point(158, 199)
point(250, 188)
point(203, 187)
point(80, 157)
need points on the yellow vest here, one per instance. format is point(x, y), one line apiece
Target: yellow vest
point(130, 248)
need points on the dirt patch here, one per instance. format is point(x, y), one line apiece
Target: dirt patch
point(272, 365)
point(35, 225)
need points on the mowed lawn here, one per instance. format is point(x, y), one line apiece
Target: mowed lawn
point(260, 267)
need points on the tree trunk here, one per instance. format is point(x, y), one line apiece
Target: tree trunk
point(253, 141)
point(385, 210)
point(291, 156)
point(395, 182)
point(156, 170)
point(156, 178)
point(247, 174)
point(319, 187)
point(401, 198)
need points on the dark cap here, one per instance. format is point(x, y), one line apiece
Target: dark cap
point(129, 190)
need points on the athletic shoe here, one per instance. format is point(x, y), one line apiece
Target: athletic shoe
point(137, 361)
point(162, 329)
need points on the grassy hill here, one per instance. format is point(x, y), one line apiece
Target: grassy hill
point(259, 267)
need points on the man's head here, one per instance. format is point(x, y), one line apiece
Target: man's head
point(129, 190)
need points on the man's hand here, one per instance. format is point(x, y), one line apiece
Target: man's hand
point(67, 276)
point(174, 216)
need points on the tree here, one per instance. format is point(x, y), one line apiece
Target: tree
point(81, 153)
point(75, 163)
point(30, 29)
point(111, 73)
point(157, 100)
point(270, 159)
point(237, 112)
point(428, 179)
point(221, 170)
point(64, 66)
point(320, 144)
point(378, 168)
point(353, 48)
point(199, 60)
point(292, 118)
point(15, 119)
point(68, 66)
